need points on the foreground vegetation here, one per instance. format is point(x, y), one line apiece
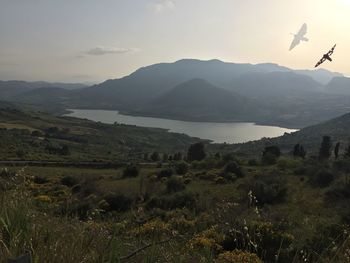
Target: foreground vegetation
point(212, 208)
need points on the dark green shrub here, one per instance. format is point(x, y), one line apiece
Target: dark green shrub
point(181, 168)
point(253, 162)
point(342, 165)
point(269, 189)
point(69, 180)
point(275, 150)
point(233, 167)
point(187, 181)
point(40, 180)
point(76, 189)
point(338, 193)
point(174, 185)
point(270, 240)
point(170, 202)
point(269, 159)
point(118, 202)
point(270, 155)
point(165, 173)
point(130, 171)
point(322, 178)
point(220, 180)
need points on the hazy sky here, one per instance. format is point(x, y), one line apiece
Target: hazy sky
point(93, 40)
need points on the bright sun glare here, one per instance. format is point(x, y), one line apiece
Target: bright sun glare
point(345, 2)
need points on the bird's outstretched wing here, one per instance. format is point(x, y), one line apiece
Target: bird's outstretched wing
point(320, 62)
point(303, 30)
point(330, 52)
point(295, 42)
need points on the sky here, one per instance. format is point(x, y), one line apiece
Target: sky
point(90, 41)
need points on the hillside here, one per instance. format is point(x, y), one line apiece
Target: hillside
point(199, 100)
point(33, 135)
point(311, 137)
point(338, 85)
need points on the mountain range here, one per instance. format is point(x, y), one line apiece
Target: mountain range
point(198, 90)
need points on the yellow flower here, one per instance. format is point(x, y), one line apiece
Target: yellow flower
point(43, 198)
point(153, 227)
point(238, 256)
point(209, 239)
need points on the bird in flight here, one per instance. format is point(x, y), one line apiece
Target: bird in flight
point(300, 36)
point(326, 56)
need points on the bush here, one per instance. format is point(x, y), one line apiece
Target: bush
point(178, 200)
point(131, 171)
point(342, 165)
point(69, 180)
point(270, 155)
point(269, 189)
point(233, 167)
point(288, 163)
point(165, 173)
point(118, 202)
point(220, 180)
point(253, 162)
point(271, 239)
point(210, 176)
point(269, 159)
point(81, 209)
point(322, 178)
point(181, 168)
point(339, 192)
point(40, 180)
point(174, 185)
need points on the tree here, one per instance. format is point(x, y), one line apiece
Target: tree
point(233, 167)
point(196, 152)
point(165, 157)
point(271, 154)
point(299, 151)
point(181, 168)
point(336, 150)
point(325, 149)
point(177, 156)
point(131, 171)
point(155, 157)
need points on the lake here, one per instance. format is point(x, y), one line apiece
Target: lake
point(236, 132)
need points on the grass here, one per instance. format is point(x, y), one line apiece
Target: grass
point(29, 218)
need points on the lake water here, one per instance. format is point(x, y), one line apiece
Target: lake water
point(236, 132)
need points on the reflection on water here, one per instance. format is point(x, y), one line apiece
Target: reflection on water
point(236, 132)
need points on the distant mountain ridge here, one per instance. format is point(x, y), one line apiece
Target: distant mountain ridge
point(11, 88)
point(339, 85)
point(277, 95)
